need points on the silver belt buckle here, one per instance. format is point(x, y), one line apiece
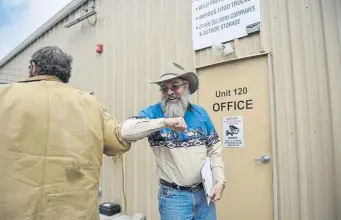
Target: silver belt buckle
point(195, 188)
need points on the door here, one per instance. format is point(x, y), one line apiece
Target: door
point(236, 96)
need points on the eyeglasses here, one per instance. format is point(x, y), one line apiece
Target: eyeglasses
point(174, 88)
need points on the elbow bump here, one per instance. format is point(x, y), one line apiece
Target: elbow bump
point(125, 131)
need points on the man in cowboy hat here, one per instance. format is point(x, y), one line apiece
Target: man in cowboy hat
point(182, 136)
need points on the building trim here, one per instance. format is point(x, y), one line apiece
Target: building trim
point(232, 60)
point(67, 10)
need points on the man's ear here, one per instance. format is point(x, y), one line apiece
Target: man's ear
point(34, 68)
point(187, 84)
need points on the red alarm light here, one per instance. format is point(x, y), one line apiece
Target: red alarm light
point(99, 48)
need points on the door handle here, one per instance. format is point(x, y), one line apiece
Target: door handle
point(264, 159)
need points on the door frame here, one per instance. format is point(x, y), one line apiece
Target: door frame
point(273, 122)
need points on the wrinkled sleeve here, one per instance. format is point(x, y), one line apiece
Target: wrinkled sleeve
point(214, 150)
point(145, 113)
point(141, 126)
point(114, 143)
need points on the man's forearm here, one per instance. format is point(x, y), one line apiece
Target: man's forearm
point(136, 129)
point(218, 174)
point(217, 163)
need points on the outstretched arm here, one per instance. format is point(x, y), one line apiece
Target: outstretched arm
point(114, 143)
point(138, 128)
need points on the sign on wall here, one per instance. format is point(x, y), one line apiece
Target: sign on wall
point(217, 21)
point(233, 131)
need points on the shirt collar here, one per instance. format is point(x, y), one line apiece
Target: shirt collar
point(40, 78)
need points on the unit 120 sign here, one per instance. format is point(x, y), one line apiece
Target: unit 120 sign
point(237, 91)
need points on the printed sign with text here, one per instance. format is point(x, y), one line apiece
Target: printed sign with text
point(233, 134)
point(218, 21)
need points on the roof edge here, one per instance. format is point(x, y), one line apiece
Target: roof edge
point(67, 10)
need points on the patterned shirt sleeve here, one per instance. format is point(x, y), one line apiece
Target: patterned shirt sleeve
point(144, 113)
point(212, 135)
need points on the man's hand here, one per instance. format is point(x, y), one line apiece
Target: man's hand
point(176, 124)
point(217, 192)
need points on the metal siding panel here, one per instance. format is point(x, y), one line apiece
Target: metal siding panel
point(318, 186)
point(323, 177)
point(247, 46)
point(142, 46)
point(330, 13)
point(300, 103)
point(286, 129)
point(304, 62)
point(266, 17)
point(242, 47)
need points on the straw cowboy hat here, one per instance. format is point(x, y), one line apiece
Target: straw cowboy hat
point(174, 70)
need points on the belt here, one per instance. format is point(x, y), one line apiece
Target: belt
point(193, 188)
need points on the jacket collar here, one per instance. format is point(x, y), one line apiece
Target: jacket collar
point(40, 78)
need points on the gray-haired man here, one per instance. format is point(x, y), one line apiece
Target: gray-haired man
point(51, 60)
point(182, 136)
point(52, 139)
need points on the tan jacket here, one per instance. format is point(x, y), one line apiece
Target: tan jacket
point(52, 138)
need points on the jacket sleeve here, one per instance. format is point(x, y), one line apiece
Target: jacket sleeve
point(138, 128)
point(142, 125)
point(114, 143)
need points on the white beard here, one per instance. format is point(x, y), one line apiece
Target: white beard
point(178, 109)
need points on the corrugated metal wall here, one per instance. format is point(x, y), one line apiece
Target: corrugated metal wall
point(304, 38)
point(306, 49)
point(139, 37)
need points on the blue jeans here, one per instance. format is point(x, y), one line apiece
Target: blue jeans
point(184, 205)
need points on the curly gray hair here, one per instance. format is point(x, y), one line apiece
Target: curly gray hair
point(51, 60)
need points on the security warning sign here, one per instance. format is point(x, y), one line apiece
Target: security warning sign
point(233, 134)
